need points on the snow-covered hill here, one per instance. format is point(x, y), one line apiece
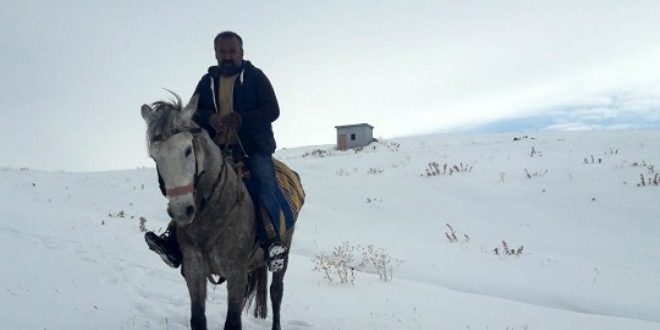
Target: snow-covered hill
point(74, 257)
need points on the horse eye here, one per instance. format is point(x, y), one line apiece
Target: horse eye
point(188, 151)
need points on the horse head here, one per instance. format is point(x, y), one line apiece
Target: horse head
point(171, 140)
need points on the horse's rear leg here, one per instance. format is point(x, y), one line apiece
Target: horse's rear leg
point(277, 292)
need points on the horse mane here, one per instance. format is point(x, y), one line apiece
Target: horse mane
point(164, 119)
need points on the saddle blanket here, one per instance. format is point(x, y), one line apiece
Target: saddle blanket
point(291, 197)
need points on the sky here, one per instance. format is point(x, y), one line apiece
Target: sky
point(74, 256)
point(75, 73)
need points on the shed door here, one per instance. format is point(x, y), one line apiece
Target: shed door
point(342, 142)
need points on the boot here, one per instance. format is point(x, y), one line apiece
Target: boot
point(166, 247)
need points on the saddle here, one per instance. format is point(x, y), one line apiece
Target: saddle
point(290, 195)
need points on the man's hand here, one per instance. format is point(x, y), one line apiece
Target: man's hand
point(231, 121)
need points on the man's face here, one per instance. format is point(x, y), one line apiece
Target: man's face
point(229, 54)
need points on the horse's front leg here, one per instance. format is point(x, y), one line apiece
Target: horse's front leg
point(193, 271)
point(236, 286)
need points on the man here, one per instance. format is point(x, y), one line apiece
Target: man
point(237, 106)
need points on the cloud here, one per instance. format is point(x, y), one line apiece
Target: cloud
point(629, 110)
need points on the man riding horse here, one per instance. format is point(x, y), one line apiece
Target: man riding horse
point(237, 106)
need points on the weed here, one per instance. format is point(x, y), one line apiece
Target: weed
point(317, 153)
point(649, 167)
point(342, 172)
point(523, 137)
point(586, 160)
point(535, 152)
point(340, 265)
point(452, 235)
point(651, 181)
point(505, 250)
point(143, 221)
point(375, 170)
point(381, 262)
point(7, 168)
point(433, 169)
point(119, 214)
point(538, 174)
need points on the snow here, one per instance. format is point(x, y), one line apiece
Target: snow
point(74, 255)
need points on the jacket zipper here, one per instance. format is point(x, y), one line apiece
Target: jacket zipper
point(215, 104)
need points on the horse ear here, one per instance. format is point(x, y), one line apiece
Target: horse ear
point(188, 112)
point(146, 112)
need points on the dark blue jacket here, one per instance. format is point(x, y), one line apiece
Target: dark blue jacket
point(254, 100)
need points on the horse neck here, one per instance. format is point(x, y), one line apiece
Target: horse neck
point(219, 183)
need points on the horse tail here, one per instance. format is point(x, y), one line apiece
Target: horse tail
point(257, 288)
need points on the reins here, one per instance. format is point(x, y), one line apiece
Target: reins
point(223, 170)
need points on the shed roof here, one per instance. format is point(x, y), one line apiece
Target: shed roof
point(353, 125)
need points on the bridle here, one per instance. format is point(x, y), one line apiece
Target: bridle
point(199, 171)
point(191, 187)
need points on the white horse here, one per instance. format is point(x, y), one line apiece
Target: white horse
point(215, 222)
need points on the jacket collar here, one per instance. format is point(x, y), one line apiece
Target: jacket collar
point(214, 71)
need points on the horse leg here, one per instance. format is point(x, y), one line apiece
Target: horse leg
point(236, 286)
point(197, 289)
point(277, 286)
point(277, 292)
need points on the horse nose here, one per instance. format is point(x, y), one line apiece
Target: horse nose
point(190, 210)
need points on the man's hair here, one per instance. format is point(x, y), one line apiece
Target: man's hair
point(228, 35)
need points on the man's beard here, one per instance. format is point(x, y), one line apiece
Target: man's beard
point(228, 67)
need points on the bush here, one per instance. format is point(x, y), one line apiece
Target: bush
point(340, 265)
point(433, 169)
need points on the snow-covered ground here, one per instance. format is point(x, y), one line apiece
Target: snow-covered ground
point(74, 256)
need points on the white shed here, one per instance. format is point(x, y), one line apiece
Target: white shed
point(353, 136)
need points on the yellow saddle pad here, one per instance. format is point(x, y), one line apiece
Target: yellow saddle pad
point(291, 197)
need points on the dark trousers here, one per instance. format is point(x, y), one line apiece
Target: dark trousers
point(264, 182)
